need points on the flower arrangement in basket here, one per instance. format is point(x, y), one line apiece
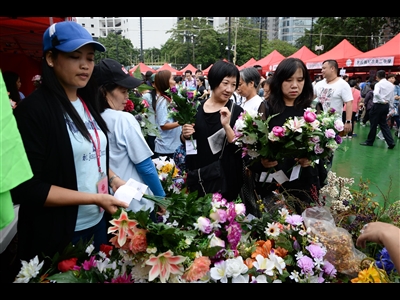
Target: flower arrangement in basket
point(312, 135)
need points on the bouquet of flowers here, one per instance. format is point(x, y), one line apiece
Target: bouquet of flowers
point(168, 173)
point(313, 136)
point(139, 108)
point(183, 106)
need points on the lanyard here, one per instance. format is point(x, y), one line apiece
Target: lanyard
point(97, 149)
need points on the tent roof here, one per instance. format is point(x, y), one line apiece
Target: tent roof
point(24, 35)
point(189, 67)
point(166, 66)
point(342, 53)
point(143, 69)
point(304, 53)
point(387, 54)
point(251, 62)
point(267, 62)
point(206, 70)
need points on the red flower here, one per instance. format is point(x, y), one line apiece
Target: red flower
point(106, 249)
point(67, 264)
point(129, 106)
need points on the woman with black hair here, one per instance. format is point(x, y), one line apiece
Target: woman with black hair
point(215, 119)
point(65, 139)
point(291, 92)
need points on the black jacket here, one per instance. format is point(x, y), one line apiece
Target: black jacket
point(47, 143)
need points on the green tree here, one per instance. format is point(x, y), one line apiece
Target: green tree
point(364, 33)
point(118, 48)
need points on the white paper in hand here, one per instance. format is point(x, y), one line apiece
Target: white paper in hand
point(132, 189)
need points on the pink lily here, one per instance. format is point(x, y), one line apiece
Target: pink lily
point(123, 225)
point(165, 264)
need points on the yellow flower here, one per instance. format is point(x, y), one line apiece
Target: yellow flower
point(371, 275)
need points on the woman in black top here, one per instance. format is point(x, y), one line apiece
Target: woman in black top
point(291, 92)
point(214, 115)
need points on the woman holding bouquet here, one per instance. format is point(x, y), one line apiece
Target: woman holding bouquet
point(170, 130)
point(214, 123)
point(291, 92)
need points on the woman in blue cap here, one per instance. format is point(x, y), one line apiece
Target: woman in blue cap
point(66, 142)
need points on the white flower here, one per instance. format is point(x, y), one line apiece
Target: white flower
point(29, 270)
point(260, 279)
point(89, 249)
point(218, 272)
point(216, 241)
point(241, 279)
point(240, 125)
point(235, 267)
point(272, 229)
point(249, 140)
point(264, 264)
point(277, 261)
point(252, 113)
point(240, 209)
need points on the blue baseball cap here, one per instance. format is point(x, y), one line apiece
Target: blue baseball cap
point(67, 36)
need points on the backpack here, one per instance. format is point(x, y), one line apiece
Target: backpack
point(366, 88)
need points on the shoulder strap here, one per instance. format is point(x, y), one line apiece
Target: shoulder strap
point(230, 117)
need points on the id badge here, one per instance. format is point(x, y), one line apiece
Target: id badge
point(102, 187)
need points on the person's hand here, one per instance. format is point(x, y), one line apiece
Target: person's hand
point(347, 127)
point(376, 232)
point(268, 163)
point(225, 116)
point(187, 130)
point(303, 162)
point(116, 183)
point(109, 203)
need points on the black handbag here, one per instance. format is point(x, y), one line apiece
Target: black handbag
point(210, 178)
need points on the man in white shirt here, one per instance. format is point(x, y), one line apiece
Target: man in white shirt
point(383, 101)
point(334, 92)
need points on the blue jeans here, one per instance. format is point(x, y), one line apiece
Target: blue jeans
point(98, 231)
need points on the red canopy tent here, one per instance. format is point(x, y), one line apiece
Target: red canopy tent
point(386, 55)
point(21, 46)
point(268, 61)
point(206, 70)
point(143, 69)
point(251, 62)
point(166, 66)
point(304, 53)
point(342, 53)
point(189, 67)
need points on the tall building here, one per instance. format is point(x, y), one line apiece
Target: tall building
point(292, 28)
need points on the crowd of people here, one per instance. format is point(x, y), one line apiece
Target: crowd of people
point(82, 146)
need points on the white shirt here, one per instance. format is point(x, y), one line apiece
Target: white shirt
point(333, 95)
point(384, 92)
point(252, 104)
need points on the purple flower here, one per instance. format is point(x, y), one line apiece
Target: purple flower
point(318, 149)
point(316, 251)
point(190, 95)
point(174, 90)
point(384, 261)
point(306, 264)
point(330, 133)
point(234, 234)
point(338, 139)
point(204, 225)
point(296, 245)
point(294, 220)
point(329, 269)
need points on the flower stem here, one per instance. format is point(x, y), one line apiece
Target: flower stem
point(194, 146)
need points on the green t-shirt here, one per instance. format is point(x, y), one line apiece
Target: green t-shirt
point(14, 164)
